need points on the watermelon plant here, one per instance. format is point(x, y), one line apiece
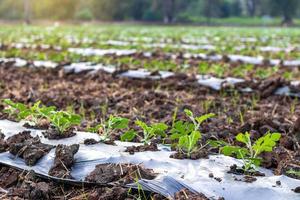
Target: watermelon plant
point(187, 133)
point(250, 153)
point(32, 114)
point(63, 120)
point(106, 128)
point(151, 131)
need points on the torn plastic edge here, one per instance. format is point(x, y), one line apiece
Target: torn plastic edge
point(46, 176)
point(217, 84)
point(154, 186)
point(167, 186)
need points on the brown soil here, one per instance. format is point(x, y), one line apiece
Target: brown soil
point(246, 179)
point(119, 173)
point(20, 185)
point(186, 194)
point(8, 177)
point(63, 161)
point(234, 169)
point(156, 102)
point(90, 141)
point(43, 124)
point(26, 147)
point(134, 149)
point(202, 153)
point(54, 134)
point(211, 175)
point(3, 145)
point(108, 193)
point(297, 189)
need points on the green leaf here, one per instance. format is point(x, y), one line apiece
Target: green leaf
point(141, 124)
point(194, 137)
point(234, 150)
point(128, 135)
point(183, 141)
point(94, 129)
point(75, 119)
point(63, 120)
point(188, 112)
point(159, 129)
point(189, 142)
point(244, 138)
point(266, 143)
point(160, 126)
point(24, 114)
point(181, 128)
point(275, 136)
point(255, 161)
point(204, 117)
point(118, 122)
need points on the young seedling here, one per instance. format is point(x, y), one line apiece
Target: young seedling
point(241, 115)
point(293, 106)
point(31, 114)
point(250, 154)
point(38, 112)
point(187, 133)
point(207, 104)
point(63, 120)
point(151, 131)
point(106, 128)
point(197, 121)
point(254, 101)
point(17, 110)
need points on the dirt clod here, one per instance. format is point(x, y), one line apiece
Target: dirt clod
point(90, 141)
point(234, 169)
point(26, 147)
point(297, 189)
point(246, 179)
point(202, 153)
point(121, 173)
point(53, 134)
point(8, 177)
point(3, 145)
point(278, 183)
point(108, 193)
point(63, 161)
point(186, 194)
point(150, 147)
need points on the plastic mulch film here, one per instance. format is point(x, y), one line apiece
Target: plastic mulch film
point(205, 80)
point(173, 175)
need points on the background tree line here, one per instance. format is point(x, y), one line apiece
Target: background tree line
point(167, 11)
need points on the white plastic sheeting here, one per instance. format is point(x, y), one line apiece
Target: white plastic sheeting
point(192, 173)
point(19, 62)
point(216, 83)
point(205, 80)
point(87, 66)
point(102, 52)
point(139, 73)
point(142, 73)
